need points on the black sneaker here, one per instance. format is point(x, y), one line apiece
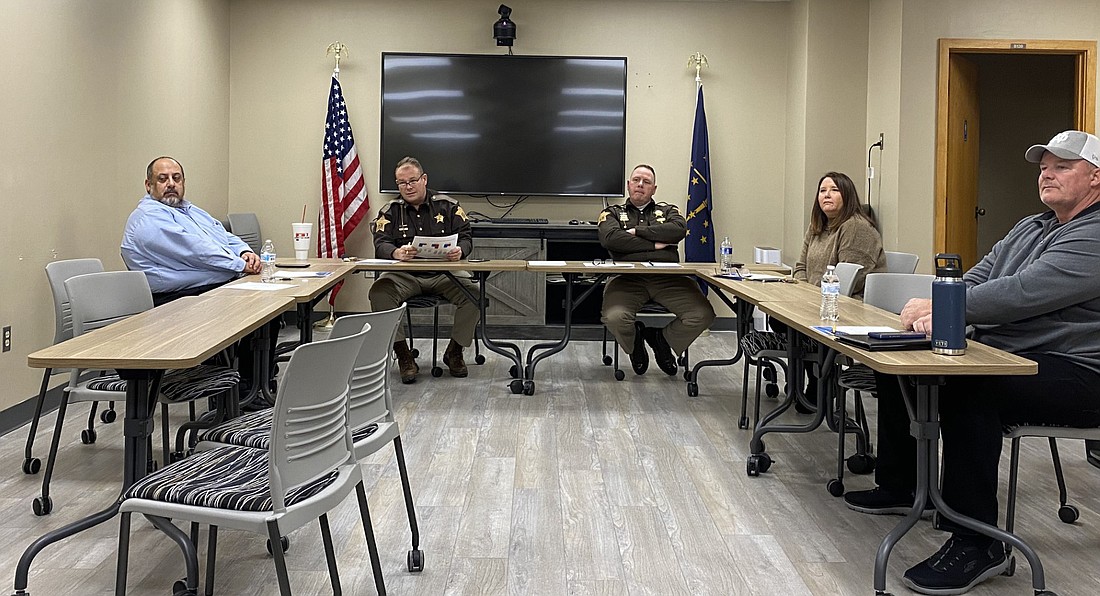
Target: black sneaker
point(880, 501)
point(639, 358)
point(662, 352)
point(961, 563)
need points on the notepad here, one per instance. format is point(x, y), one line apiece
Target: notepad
point(872, 344)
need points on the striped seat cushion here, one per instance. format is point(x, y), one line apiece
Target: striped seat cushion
point(110, 382)
point(755, 342)
point(251, 430)
point(254, 430)
point(199, 382)
point(859, 377)
point(223, 478)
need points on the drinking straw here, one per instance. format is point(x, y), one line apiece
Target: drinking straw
point(304, 213)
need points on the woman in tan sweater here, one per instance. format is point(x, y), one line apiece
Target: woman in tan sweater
point(840, 231)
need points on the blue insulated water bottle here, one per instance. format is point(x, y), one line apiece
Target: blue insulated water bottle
point(948, 307)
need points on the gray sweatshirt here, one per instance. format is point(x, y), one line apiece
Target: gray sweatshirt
point(1038, 290)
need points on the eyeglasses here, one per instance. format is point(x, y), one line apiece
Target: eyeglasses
point(402, 183)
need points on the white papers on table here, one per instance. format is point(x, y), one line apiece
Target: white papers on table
point(258, 286)
point(434, 247)
point(546, 263)
point(660, 265)
point(377, 261)
point(763, 277)
point(611, 264)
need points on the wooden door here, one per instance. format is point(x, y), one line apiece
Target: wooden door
point(963, 136)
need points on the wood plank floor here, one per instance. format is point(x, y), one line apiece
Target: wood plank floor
point(589, 487)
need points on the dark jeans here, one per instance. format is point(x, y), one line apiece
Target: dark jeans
point(973, 414)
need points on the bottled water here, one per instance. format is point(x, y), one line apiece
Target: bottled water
point(267, 258)
point(830, 291)
point(727, 256)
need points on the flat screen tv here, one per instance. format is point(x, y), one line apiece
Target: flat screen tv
point(506, 125)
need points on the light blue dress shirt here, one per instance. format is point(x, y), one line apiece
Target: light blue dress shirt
point(180, 247)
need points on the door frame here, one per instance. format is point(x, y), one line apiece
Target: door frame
point(1084, 112)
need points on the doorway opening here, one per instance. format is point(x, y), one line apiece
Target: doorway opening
point(994, 99)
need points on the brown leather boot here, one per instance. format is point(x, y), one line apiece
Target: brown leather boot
point(405, 362)
point(453, 359)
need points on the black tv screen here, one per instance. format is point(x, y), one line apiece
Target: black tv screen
point(506, 125)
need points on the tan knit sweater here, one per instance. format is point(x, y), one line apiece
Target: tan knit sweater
point(854, 241)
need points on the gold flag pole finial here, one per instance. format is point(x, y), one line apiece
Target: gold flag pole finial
point(338, 50)
point(697, 60)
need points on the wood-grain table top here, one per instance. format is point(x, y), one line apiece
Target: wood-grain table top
point(979, 359)
point(756, 292)
point(180, 334)
point(619, 267)
point(303, 289)
point(431, 265)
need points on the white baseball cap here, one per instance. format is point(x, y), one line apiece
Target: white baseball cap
point(1071, 144)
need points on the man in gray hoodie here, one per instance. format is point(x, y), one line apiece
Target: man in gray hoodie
point(1035, 294)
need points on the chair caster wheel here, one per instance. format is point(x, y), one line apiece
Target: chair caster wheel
point(88, 436)
point(835, 487)
point(32, 465)
point(771, 390)
point(415, 353)
point(528, 387)
point(607, 360)
point(1068, 514)
point(437, 371)
point(861, 464)
point(619, 375)
point(42, 506)
point(107, 416)
point(693, 389)
point(284, 542)
point(513, 372)
point(758, 464)
point(416, 561)
point(1011, 569)
point(516, 386)
point(743, 422)
point(479, 359)
point(769, 373)
point(180, 589)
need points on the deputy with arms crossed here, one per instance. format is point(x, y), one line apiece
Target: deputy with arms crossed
point(644, 230)
point(182, 250)
point(423, 212)
point(1035, 294)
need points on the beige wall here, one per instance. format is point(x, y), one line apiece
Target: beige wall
point(93, 91)
point(280, 84)
point(920, 24)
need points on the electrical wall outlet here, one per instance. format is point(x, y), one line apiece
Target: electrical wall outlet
point(7, 338)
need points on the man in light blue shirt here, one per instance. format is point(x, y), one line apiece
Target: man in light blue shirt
point(180, 247)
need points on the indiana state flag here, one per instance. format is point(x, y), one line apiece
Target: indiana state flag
point(699, 244)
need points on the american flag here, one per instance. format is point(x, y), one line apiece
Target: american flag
point(344, 200)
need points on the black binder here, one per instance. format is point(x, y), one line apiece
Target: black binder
point(877, 345)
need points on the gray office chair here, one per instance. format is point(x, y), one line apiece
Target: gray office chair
point(56, 273)
point(308, 471)
point(901, 262)
point(246, 227)
point(847, 274)
point(372, 421)
point(97, 300)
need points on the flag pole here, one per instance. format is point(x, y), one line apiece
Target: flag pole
point(337, 50)
point(698, 60)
